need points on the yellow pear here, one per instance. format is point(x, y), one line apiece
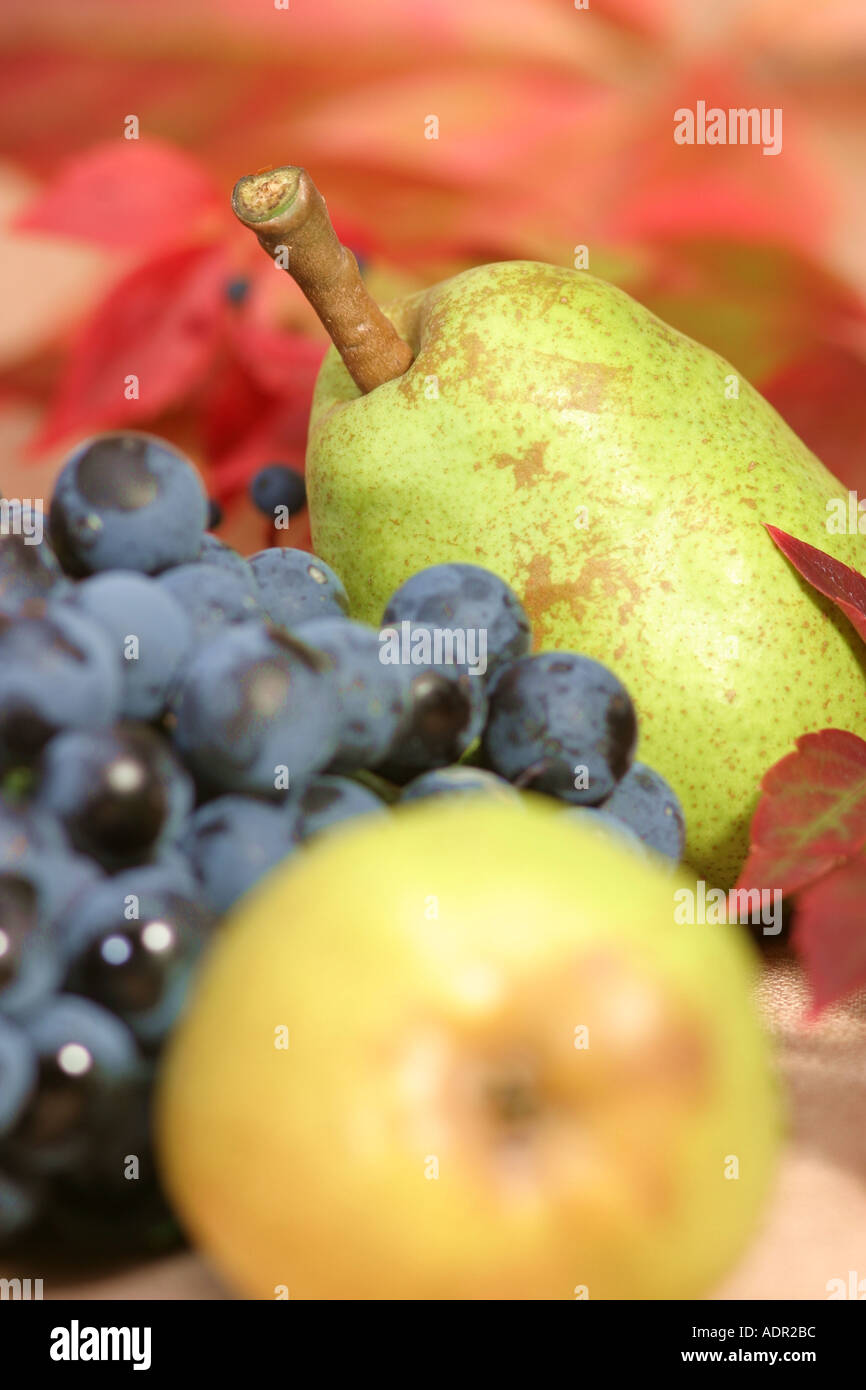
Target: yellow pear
point(467, 1053)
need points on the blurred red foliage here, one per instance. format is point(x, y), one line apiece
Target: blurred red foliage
point(555, 130)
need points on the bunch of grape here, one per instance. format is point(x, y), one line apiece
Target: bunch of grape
point(175, 720)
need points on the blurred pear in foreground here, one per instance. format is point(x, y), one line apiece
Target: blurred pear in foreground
point(467, 1054)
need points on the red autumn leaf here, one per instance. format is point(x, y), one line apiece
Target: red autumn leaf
point(256, 409)
point(830, 933)
point(131, 194)
point(730, 190)
point(277, 435)
point(159, 324)
point(281, 364)
point(228, 407)
point(821, 396)
point(760, 304)
point(844, 585)
point(812, 814)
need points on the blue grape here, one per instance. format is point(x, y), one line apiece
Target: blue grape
point(277, 485)
point(20, 1205)
point(296, 586)
point(560, 723)
point(62, 878)
point(212, 596)
point(34, 843)
point(447, 706)
point(127, 501)
point(18, 1073)
point(215, 552)
point(374, 698)
point(132, 946)
point(148, 630)
point(29, 572)
point(237, 290)
point(254, 707)
point(89, 1068)
point(119, 792)
point(25, 827)
point(174, 867)
point(329, 801)
point(35, 892)
point(458, 781)
point(56, 672)
point(231, 842)
point(598, 822)
point(467, 599)
point(645, 803)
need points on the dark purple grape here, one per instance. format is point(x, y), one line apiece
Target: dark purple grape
point(275, 486)
point(36, 888)
point(29, 571)
point(330, 801)
point(148, 630)
point(256, 712)
point(56, 672)
point(296, 586)
point(21, 1202)
point(18, 1074)
point(458, 781)
point(447, 706)
point(119, 792)
point(212, 596)
point(468, 600)
point(563, 724)
point(374, 698)
point(89, 1068)
point(127, 501)
point(132, 946)
point(232, 842)
point(644, 802)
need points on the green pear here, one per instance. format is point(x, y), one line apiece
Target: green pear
point(619, 476)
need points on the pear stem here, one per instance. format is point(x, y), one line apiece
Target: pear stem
point(288, 215)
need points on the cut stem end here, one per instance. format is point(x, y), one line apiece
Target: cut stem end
point(288, 215)
point(259, 197)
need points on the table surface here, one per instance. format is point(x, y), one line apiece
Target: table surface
point(814, 1228)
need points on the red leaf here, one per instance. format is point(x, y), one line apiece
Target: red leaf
point(133, 194)
point(830, 934)
point(228, 406)
point(812, 814)
point(281, 364)
point(760, 305)
point(829, 576)
point(160, 324)
point(821, 396)
point(278, 435)
point(731, 191)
